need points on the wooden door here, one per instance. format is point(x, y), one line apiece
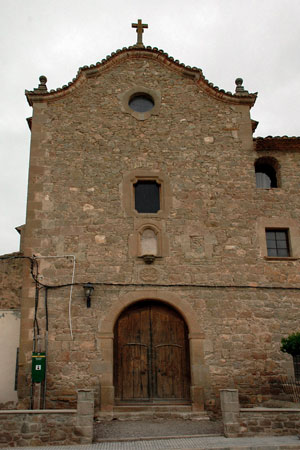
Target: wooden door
point(151, 359)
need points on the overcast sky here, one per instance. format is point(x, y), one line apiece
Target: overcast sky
point(257, 40)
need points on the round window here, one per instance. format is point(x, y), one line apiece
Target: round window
point(141, 102)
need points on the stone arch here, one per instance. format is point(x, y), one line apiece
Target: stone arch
point(107, 324)
point(105, 341)
point(267, 171)
point(151, 354)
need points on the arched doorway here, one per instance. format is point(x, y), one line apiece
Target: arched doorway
point(151, 354)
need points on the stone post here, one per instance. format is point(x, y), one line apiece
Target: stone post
point(230, 411)
point(105, 369)
point(198, 371)
point(85, 415)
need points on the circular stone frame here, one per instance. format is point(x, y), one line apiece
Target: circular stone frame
point(145, 101)
point(140, 90)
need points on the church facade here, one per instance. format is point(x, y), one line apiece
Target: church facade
point(159, 261)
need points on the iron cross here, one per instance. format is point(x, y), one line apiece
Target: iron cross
point(140, 30)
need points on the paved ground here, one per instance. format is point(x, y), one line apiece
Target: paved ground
point(188, 443)
point(118, 429)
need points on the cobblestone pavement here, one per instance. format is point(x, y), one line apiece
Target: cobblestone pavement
point(187, 443)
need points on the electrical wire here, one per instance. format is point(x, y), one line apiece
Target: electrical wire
point(70, 300)
point(36, 328)
point(71, 284)
point(188, 285)
point(46, 349)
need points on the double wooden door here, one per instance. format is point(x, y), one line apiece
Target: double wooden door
point(151, 354)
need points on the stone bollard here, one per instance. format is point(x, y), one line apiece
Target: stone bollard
point(230, 411)
point(85, 415)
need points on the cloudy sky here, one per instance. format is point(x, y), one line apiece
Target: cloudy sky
point(257, 40)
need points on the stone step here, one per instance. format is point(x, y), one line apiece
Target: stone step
point(152, 408)
point(147, 411)
point(152, 402)
point(159, 414)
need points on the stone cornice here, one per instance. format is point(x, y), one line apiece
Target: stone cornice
point(42, 95)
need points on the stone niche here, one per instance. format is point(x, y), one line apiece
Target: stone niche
point(148, 242)
point(148, 238)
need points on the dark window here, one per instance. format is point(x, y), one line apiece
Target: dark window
point(266, 177)
point(278, 243)
point(147, 196)
point(141, 102)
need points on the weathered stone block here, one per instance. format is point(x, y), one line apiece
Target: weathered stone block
point(85, 408)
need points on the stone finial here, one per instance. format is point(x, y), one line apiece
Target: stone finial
point(239, 87)
point(42, 86)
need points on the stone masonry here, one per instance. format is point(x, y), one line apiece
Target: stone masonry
point(256, 421)
point(30, 428)
point(11, 274)
point(87, 149)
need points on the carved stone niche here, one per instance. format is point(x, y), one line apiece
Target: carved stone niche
point(148, 241)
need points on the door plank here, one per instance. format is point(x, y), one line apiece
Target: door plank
point(151, 354)
point(135, 371)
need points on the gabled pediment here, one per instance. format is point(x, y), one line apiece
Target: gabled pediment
point(41, 94)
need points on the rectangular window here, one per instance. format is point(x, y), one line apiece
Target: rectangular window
point(147, 196)
point(278, 243)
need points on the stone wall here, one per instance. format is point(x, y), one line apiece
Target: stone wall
point(85, 149)
point(269, 421)
point(32, 428)
point(197, 143)
point(256, 421)
point(11, 271)
point(242, 329)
